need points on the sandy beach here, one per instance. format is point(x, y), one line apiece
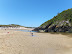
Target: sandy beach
point(18, 42)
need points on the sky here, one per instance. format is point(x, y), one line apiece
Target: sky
point(31, 13)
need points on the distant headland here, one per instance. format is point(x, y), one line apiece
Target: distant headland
point(15, 26)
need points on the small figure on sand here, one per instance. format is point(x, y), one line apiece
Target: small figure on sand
point(32, 34)
point(7, 32)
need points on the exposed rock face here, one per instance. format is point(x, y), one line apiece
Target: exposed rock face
point(38, 29)
point(63, 26)
point(55, 29)
point(59, 29)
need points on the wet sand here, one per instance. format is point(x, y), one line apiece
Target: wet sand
point(18, 42)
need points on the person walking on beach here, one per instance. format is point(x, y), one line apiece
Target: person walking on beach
point(32, 34)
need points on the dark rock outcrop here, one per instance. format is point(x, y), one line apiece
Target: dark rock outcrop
point(37, 29)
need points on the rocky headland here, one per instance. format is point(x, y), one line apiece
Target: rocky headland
point(62, 22)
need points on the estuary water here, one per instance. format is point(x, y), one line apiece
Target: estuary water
point(26, 30)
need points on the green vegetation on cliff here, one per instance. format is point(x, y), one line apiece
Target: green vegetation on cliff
point(63, 18)
point(62, 22)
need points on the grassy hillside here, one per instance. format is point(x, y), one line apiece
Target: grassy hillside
point(66, 15)
point(11, 25)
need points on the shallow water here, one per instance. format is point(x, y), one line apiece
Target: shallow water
point(26, 30)
point(67, 34)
